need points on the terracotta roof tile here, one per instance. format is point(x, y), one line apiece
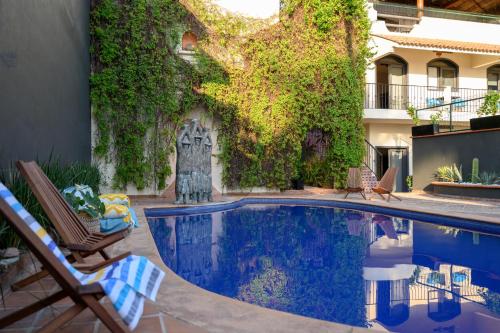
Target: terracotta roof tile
point(442, 44)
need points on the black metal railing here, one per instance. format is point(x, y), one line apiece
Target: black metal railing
point(412, 11)
point(373, 159)
point(400, 97)
point(452, 116)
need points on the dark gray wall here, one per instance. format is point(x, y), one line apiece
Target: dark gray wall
point(429, 153)
point(44, 80)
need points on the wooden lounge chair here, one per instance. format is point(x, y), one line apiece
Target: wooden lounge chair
point(73, 232)
point(386, 184)
point(83, 295)
point(127, 282)
point(355, 183)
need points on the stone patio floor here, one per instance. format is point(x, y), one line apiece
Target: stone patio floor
point(182, 307)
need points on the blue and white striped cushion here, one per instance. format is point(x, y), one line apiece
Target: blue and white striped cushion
point(126, 282)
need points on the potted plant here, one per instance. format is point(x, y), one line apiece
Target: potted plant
point(421, 130)
point(488, 113)
point(88, 206)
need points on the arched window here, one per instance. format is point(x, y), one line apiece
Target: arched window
point(442, 73)
point(493, 74)
point(189, 41)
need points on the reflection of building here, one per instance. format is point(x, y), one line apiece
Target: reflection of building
point(388, 269)
point(429, 278)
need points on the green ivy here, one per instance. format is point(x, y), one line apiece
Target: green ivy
point(139, 86)
point(268, 84)
point(305, 72)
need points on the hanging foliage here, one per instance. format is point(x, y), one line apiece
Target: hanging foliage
point(139, 86)
point(269, 83)
point(304, 73)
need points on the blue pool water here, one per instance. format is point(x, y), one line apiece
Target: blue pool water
point(342, 265)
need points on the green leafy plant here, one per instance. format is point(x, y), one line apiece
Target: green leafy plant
point(492, 300)
point(436, 117)
point(62, 175)
point(140, 87)
point(449, 173)
point(268, 86)
point(491, 104)
point(412, 112)
point(272, 87)
point(489, 178)
point(88, 204)
point(409, 182)
point(475, 171)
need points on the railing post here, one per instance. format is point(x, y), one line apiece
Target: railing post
point(451, 117)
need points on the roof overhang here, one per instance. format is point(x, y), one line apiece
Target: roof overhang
point(441, 45)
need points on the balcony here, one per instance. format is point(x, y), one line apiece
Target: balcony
point(380, 97)
point(401, 18)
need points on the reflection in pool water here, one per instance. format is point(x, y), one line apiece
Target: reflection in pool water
point(339, 265)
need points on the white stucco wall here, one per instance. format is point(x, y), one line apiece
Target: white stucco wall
point(472, 67)
point(469, 76)
point(391, 135)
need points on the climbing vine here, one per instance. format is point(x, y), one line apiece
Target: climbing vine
point(269, 84)
point(139, 86)
point(306, 72)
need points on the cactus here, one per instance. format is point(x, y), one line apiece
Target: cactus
point(475, 171)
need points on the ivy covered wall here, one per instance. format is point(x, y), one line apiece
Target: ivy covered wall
point(140, 87)
point(268, 84)
point(275, 85)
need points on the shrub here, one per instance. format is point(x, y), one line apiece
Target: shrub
point(491, 104)
point(61, 175)
point(449, 173)
point(489, 178)
point(492, 300)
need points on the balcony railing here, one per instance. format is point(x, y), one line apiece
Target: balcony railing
point(385, 8)
point(400, 97)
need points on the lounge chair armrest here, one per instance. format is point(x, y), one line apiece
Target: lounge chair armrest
point(85, 268)
point(86, 289)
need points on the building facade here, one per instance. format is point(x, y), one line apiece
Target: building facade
point(426, 58)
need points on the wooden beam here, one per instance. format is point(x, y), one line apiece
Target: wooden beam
point(420, 8)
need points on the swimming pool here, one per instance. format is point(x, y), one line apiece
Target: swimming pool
point(341, 264)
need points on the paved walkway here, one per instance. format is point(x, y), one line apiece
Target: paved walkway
point(182, 307)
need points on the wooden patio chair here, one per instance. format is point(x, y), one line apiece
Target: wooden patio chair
point(109, 278)
point(73, 232)
point(386, 184)
point(355, 183)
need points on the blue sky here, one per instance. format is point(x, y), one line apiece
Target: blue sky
point(255, 8)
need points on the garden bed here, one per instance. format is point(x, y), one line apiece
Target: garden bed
point(467, 189)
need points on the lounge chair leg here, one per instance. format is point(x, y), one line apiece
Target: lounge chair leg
point(104, 254)
point(29, 280)
point(363, 195)
point(103, 314)
point(346, 195)
point(78, 257)
point(35, 277)
point(63, 318)
point(24, 312)
point(383, 198)
point(395, 197)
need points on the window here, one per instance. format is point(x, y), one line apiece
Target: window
point(189, 41)
point(442, 73)
point(493, 77)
